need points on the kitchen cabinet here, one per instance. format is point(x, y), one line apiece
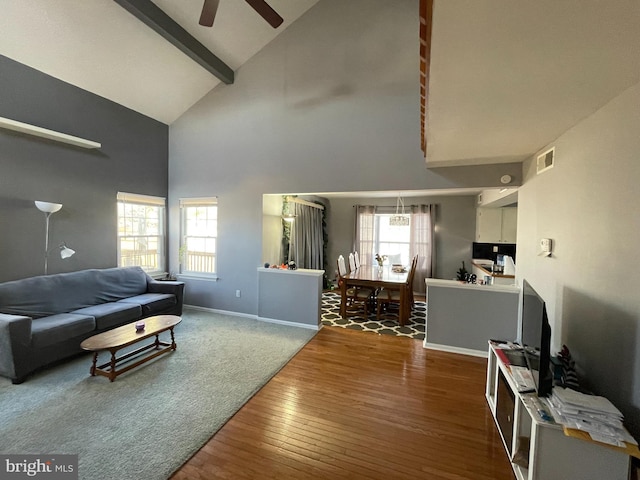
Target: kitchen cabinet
point(496, 225)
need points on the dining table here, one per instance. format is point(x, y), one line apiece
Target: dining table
point(375, 277)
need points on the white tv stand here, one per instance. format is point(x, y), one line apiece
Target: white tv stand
point(550, 454)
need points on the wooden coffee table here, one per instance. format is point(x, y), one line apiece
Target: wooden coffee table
point(120, 337)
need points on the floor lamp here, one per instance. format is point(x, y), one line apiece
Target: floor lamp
point(48, 209)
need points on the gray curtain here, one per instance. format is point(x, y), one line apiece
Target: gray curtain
point(422, 243)
point(364, 233)
point(306, 247)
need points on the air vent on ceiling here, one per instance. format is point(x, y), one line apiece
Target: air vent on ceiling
point(545, 160)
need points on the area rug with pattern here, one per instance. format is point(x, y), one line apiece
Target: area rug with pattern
point(414, 328)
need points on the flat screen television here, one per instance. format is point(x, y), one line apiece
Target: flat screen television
point(535, 338)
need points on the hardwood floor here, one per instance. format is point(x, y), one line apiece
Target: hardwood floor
point(359, 405)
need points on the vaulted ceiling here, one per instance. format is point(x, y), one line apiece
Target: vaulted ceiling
point(505, 77)
point(99, 46)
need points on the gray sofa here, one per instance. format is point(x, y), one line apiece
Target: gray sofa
point(44, 319)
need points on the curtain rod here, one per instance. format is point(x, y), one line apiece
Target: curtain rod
point(304, 202)
point(385, 206)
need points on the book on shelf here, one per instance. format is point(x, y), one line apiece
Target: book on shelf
point(502, 356)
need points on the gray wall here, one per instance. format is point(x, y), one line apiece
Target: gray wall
point(588, 204)
point(465, 317)
point(292, 296)
point(330, 105)
point(455, 229)
point(133, 158)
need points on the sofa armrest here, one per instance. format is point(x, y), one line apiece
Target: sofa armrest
point(176, 288)
point(15, 338)
point(17, 327)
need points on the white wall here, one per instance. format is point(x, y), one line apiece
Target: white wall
point(330, 105)
point(588, 204)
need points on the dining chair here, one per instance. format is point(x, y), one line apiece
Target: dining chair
point(352, 262)
point(393, 296)
point(356, 257)
point(357, 298)
point(394, 258)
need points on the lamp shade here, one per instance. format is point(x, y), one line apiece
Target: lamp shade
point(48, 207)
point(66, 252)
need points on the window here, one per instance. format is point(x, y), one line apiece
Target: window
point(392, 241)
point(141, 232)
point(375, 233)
point(199, 240)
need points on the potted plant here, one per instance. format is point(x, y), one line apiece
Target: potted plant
point(462, 273)
point(380, 259)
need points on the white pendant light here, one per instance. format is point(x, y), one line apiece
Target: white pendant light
point(399, 220)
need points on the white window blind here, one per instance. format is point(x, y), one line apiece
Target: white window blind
point(141, 199)
point(184, 202)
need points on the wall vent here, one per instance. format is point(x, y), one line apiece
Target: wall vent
point(545, 160)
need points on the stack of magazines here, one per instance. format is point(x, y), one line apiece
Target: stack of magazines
point(594, 415)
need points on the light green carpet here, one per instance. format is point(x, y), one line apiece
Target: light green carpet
point(148, 422)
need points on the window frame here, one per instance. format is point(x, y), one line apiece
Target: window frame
point(124, 198)
point(185, 204)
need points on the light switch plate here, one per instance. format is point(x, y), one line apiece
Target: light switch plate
point(545, 244)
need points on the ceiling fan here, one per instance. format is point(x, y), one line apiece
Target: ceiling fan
point(210, 8)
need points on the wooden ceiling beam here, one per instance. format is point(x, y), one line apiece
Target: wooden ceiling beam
point(151, 15)
point(426, 18)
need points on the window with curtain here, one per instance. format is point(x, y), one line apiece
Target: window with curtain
point(306, 246)
point(375, 235)
point(141, 232)
point(199, 239)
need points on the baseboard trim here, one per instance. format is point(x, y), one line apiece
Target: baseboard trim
point(222, 312)
point(252, 317)
point(459, 350)
point(291, 324)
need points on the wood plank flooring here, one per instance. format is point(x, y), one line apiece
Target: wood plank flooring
point(361, 406)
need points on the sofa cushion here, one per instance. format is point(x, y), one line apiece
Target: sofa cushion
point(113, 284)
point(111, 314)
point(56, 328)
point(48, 295)
point(152, 303)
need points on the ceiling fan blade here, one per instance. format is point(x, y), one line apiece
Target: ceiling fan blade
point(266, 12)
point(208, 14)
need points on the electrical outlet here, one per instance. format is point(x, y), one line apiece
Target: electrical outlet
point(237, 293)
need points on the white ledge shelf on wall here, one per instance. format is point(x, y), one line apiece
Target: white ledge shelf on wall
point(21, 127)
